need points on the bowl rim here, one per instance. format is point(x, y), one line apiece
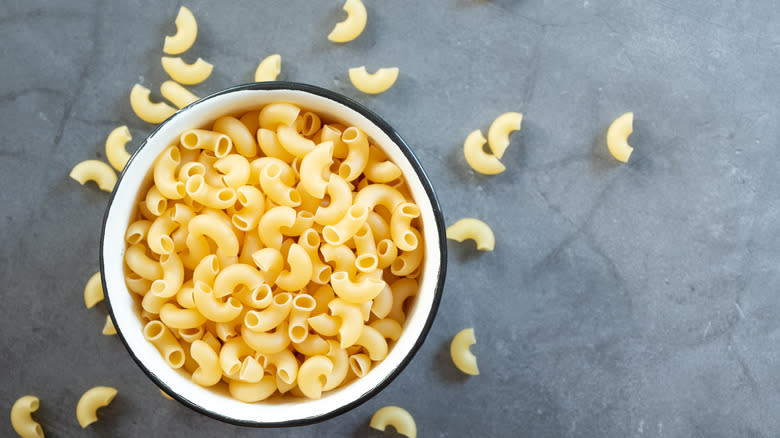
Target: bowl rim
point(430, 193)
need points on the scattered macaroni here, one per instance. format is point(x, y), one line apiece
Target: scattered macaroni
point(108, 327)
point(94, 170)
point(269, 68)
point(459, 351)
point(476, 156)
point(21, 418)
point(617, 137)
point(186, 32)
point(373, 83)
point(475, 229)
point(91, 401)
point(145, 109)
point(115, 147)
point(260, 253)
point(397, 417)
point(353, 25)
point(187, 74)
point(177, 94)
point(93, 291)
point(166, 395)
point(498, 134)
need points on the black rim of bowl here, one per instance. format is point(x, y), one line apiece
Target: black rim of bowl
point(426, 183)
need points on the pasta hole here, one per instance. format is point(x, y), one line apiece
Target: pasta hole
point(282, 299)
point(366, 262)
point(383, 247)
point(153, 330)
point(398, 265)
point(298, 334)
point(251, 319)
point(166, 244)
point(410, 239)
point(34, 404)
point(190, 331)
point(350, 134)
point(410, 210)
point(363, 231)
point(306, 215)
point(193, 184)
point(325, 201)
point(234, 368)
point(304, 302)
point(37, 430)
point(179, 187)
point(222, 148)
point(272, 170)
point(311, 238)
point(134, 238)
point(330, 235)
point(242, 197)
point(294, 196)
point(345, 170)
point(234, 303)
point(159, 207)
point(339, 276)
point(226, 195)
point(358, 211)
point(296, 166)
point(190, 140)
point(174, 154)
point(323, 274)
point(322, 379)
point(240, 223)
point(176, 358)
point(158, 286)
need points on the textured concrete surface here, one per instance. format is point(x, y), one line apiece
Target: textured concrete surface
point(621, 301)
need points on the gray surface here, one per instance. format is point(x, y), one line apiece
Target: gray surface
point(621, 300)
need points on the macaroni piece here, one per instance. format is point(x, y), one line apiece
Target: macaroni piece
point(475, 229)
point(90, 401)
point(186, 31)
point(498, 134)
point(459, 350)
point(397, 417)
point(166, 395)
point(476, 156)
point(353, 25)
point(617, 137)
point(21, 418)
point(373, 83)
point(115, 147)
point(93, 291)
point(145, 109)
point(269, 68)
point(108, 327)
point(94, 170)
point(187, 74)
point(261, 253)
point(177, 94)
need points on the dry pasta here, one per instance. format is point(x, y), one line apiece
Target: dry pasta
point(353, 25)
point(186, 32)
point(187, 74)
point(21, 419)
point(617, 137)
point(260, 251)
point(373, 83)
point(269, 68)
point(459, 351)
point(397, 417)
point(91, 401)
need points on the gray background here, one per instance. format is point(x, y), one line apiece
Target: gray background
point(621, 300)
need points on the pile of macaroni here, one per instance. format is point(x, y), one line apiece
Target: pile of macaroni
point(274, 252)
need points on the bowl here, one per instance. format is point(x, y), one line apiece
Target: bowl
point(126, 314)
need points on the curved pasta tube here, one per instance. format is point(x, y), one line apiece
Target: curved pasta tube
point(459, 351)
point(300, 269)
point(373, 341)
point(116, 154)
point(251, 371)
point(137, 231)
point(386, 253)
point(498, 133)
point(383, 303)
point(342, 258)
point(218, 143)
point(351, 321)
point(340, 360)
point(379, 194)
point(141, 264)
point(331, 132)
point(93, 291)
point(476, 156)
point(161, 337)
point(264, 320)
point(313, 374)
point(234, 168)
point(400, 226)
point(379, 169)
point(186, 32)
point(309, 124)
point(208, 195)
point(230, 355)
point(187, 74)
point(257, 166)
point(208, 372)
point(91, 401)
point(177, 94)
point(322, 295)
point(155, 202)
point(108, 327)
point(21, 418)
point(388, 328)
point(271, 223)
point(184, 296)
point(269, 68)
point(206, 270)
point(355, 292)
point(220, 232)
point(165, 173)
point(397, 417)
point(360, 364)
point(257, 298)
point(353, 25)
point(177, 318)
point(293, 142)
point(617, 137)
point(278, 114)
point(236, 275)
point(340, 200)
point(379, 226)
point(268, 143)
point(343, 230)
point(243, 138)
point(315, 169)
point(212, 307)
point(310, 241)
point(252, 392)
point(357, 153)
point(137, 284)
point(276, 190)
point(475, 229)
point(373, 83)
point(190, 335)
point(270, 261)
point(403, 289)
point(312, 345)
point(94, 170)
point(298, 329)
point(408, 261)
point(286, 365)
point(267, 343)
point(145, 109)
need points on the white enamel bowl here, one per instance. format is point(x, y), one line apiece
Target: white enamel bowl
point(126, 314)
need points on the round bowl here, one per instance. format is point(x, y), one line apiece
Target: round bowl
point(126, 314)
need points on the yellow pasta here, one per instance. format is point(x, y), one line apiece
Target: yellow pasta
point(186, 32)
point(177, 94)
point(269, 68)
point(617, 137)
point(397, 417)
point(187, 74)
point(208, 372)
point(373, 83)
point(459, 351)
point(145, 109)
point(242, 137)
point(21, 418)
point(476, 156)
point(353, 25)
point(475, 229)
point(94, 170)
point(498, 134)
point(313, 374)
point(93, 291)
point(314, 169)
point(108, 327)
point(116, 154)
point(91, 401)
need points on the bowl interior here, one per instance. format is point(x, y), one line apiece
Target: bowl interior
point(126, 313)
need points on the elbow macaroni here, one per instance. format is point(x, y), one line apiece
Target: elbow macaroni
point(269, 68)
point(498, 134)
point(145, 109)
point(91, 401)
point(353, 25)
point(261, 270)
point(397, 417)
point(617, 137)
point(93, 291)
point(187, 74)
point(116, 154)
point(373, 83)
point(475, 229)
point(476, 156)
point(21, 418)
point(459, 351)
point(94, 170)
point(186, 32)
